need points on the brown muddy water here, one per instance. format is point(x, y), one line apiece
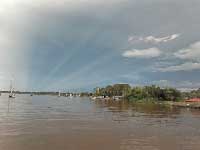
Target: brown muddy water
point(59, 123)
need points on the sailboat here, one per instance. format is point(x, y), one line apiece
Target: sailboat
point(59, 94)
point(70, 95)
point(11, 95)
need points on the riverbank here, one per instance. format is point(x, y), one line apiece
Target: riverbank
point(183, 104)
point(194, 105)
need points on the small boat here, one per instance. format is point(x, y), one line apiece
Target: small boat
point(70, 95)
point(117, 98)
point(31, 93)
point(11, 96)
point(59, 94)
point(66, 95)
point(93, 98)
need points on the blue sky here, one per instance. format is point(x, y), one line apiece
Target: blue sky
point(76, 45)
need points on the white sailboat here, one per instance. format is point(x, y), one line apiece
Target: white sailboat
point(70, 95)
point(11, 95)
point(59, 94)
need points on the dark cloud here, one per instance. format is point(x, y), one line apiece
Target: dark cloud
point(69, 44)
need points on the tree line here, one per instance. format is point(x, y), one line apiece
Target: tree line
point(152, 92)
point(192, 94)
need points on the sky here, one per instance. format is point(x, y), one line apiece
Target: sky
point(76, 45)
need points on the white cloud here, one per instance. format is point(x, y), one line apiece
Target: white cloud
point(190, 53)
point(188, 66)
point(144, 53)
point(152, 39)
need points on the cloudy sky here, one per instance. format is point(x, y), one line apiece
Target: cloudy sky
point(80, 44)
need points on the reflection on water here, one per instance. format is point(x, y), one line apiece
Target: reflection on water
point(48, 122)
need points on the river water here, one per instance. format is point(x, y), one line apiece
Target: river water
point(60, 123)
